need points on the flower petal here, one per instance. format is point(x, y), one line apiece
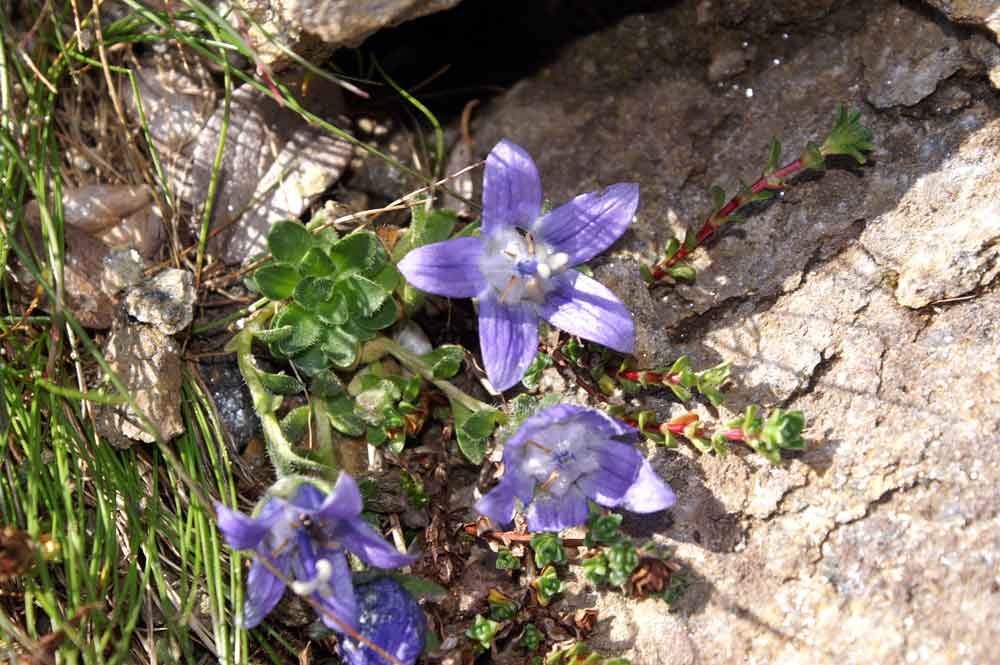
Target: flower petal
point(619, 466)
point(498, 503)
point(308, 497)
point(584, 307)
point(243, 532)
point(648, 494)
point(343, 603)
point(263, 588)
point(344, 502)
point(389, 617)
point(448, 268)
point(590, 223)
point(512, 190)
point(508, 339)
point(552, 513)
point(357, 536)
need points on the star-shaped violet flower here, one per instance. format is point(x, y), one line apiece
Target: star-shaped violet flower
point(305, 538)
point(520, 266)
point(564, 455)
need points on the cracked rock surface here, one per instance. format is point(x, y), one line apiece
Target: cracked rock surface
point(865, 297)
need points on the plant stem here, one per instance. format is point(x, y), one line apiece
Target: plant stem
point(773, 181)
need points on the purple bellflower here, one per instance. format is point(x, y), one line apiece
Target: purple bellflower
point(389, 617)
point(520, 266)
point(305, 538)
point(564, 455)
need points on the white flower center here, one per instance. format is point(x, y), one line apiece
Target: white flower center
point(518, 267)
point(557, 456)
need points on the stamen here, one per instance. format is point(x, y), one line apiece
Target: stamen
point(549, 482)
point(530, 442)
point(543, 270)
point(533, 291)
point(506, 290)
point(531, 243)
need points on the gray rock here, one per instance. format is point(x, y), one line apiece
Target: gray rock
point(880, 542)
point(273, 165)
point(983, 13)
point(165, 301)
point(944, 236)
point(313, 28)
point(122, 270)
point(910, 57)
point(148, 363)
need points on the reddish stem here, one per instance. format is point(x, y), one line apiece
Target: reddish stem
point(650, 377)
point(773, 181)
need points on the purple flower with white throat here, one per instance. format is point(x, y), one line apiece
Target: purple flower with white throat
point(305, 539)
point(564, 455)
point(520, 267)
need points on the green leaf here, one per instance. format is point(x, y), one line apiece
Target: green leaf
point(673, 246)
point(445, 360)
point(289, 241)
point(595, 568)
point(341, 413)
point(548, 548)
point(533, 374)
point(340, 346)
point(361, 251)
point(363, 296)
point(531, 638)
point(317, 263)
point(326, 385)
point(483, 631)
point(718, 198)
point(433, 227)
point(335, 311)
point(812, 158)
point(773, 157)
point(506, 560)
point(683, 273)
point(386, 315)
point(646, 274)
point(690, 239)
point(472, 430)
point(296, 423)
point(848, 137)
point(281, 384)
point(603, 528)
point(305, 329)
point(622, 560)
point(277, 281)
point(311, 361)
point(388, 278)
point(313, 292)
point(420, 588)
point(273, 334)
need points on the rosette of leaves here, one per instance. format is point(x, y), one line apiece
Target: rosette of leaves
point(336, 294)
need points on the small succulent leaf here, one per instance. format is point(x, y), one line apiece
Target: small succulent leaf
point(718, 198)
point(672, 247)
point(386, 315)
point(690, 239)
point(340, 346)
point(280, 384)
point(363, 296)
point(326, 385)
point(277, 281)
point(361, 251)
point(773, 157)
point(340, 411)
point(296, 423)
point(313, 292)
point(311, 361)
point(472, 431)
point(684, 273)
point(305, 329)
point(334, 311)
point(445, 360)
point(289, 241)
point(317, 263)
point(548, 548)
point(271, 335)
